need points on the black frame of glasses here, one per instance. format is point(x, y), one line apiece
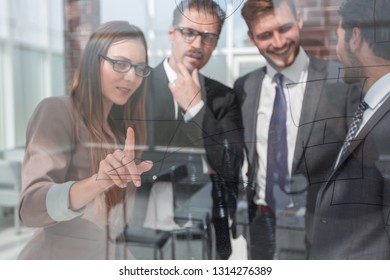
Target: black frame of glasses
point(115, 61)
point(197, 33)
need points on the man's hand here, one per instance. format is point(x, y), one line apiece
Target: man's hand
point(186, 88)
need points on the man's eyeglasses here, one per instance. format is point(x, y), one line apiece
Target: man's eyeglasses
point(123, 66)
point(190, 34)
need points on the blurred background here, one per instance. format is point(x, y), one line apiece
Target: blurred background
point(41, 41)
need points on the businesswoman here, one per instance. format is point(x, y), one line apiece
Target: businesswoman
point(80, 169)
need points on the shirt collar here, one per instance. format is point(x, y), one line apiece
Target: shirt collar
point(171, 74)
point(378, 91)
point(294, 71)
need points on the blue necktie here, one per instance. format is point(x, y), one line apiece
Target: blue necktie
point(277, 169)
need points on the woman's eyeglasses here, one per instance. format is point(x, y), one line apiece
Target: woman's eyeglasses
point(123, 66)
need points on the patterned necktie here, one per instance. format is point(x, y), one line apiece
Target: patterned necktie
point(277, 168)
point(354, 127)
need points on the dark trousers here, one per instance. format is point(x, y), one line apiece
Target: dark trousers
point(262, 235)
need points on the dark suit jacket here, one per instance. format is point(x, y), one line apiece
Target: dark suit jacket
point(352, 218)
point(322, 128)
point(218, 121)
point(164, 129)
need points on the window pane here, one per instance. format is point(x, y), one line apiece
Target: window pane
point(161, 23)
point(2, 101)
point(56, 24)
point(30, 22)
point(3, 19)
point(213, 68)
point(58, 75)
point(28, 86)
point(133, 11)
point(240, 30)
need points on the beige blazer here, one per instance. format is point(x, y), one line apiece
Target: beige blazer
point(53, 161)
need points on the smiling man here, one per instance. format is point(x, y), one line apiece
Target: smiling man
point(294, 121)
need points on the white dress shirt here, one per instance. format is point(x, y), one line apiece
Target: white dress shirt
point(294, 85)
point(375, 96)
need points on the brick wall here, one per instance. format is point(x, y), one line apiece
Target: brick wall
point(81, 18)
point(320, 19)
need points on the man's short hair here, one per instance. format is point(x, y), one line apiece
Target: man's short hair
point(202, 6)
point(253, 10)
point(372, 18)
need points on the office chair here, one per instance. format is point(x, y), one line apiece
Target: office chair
point(193, 216)
point(193, 222)
point(136, 235)
point(145, 237)
point(10, 186)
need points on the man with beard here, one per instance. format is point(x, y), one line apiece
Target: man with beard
point(294, 118)
point(188, 110)
point(352, 215)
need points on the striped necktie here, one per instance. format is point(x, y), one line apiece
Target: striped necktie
point(354, 127)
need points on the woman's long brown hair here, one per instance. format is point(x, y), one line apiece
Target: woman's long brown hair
point(86, 94)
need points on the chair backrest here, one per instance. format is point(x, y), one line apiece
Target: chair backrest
point(175, 174)
point(164, 158)
point(10, 173)
point(178, 173)
point(10, 182)
point(14, 154)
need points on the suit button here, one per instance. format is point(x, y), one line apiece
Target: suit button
point(324, 221)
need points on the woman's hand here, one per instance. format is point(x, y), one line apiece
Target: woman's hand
point(120, 166)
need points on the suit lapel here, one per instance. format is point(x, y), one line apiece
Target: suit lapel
point(252, 89)
point(164, 107)
point(314, 88)
point(361, 136)
point(204, 84)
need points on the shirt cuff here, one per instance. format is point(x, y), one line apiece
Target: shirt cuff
point(57, 203)
point(191, 113)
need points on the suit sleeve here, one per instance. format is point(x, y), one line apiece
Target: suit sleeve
point(45, 189)
point(222, 134)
